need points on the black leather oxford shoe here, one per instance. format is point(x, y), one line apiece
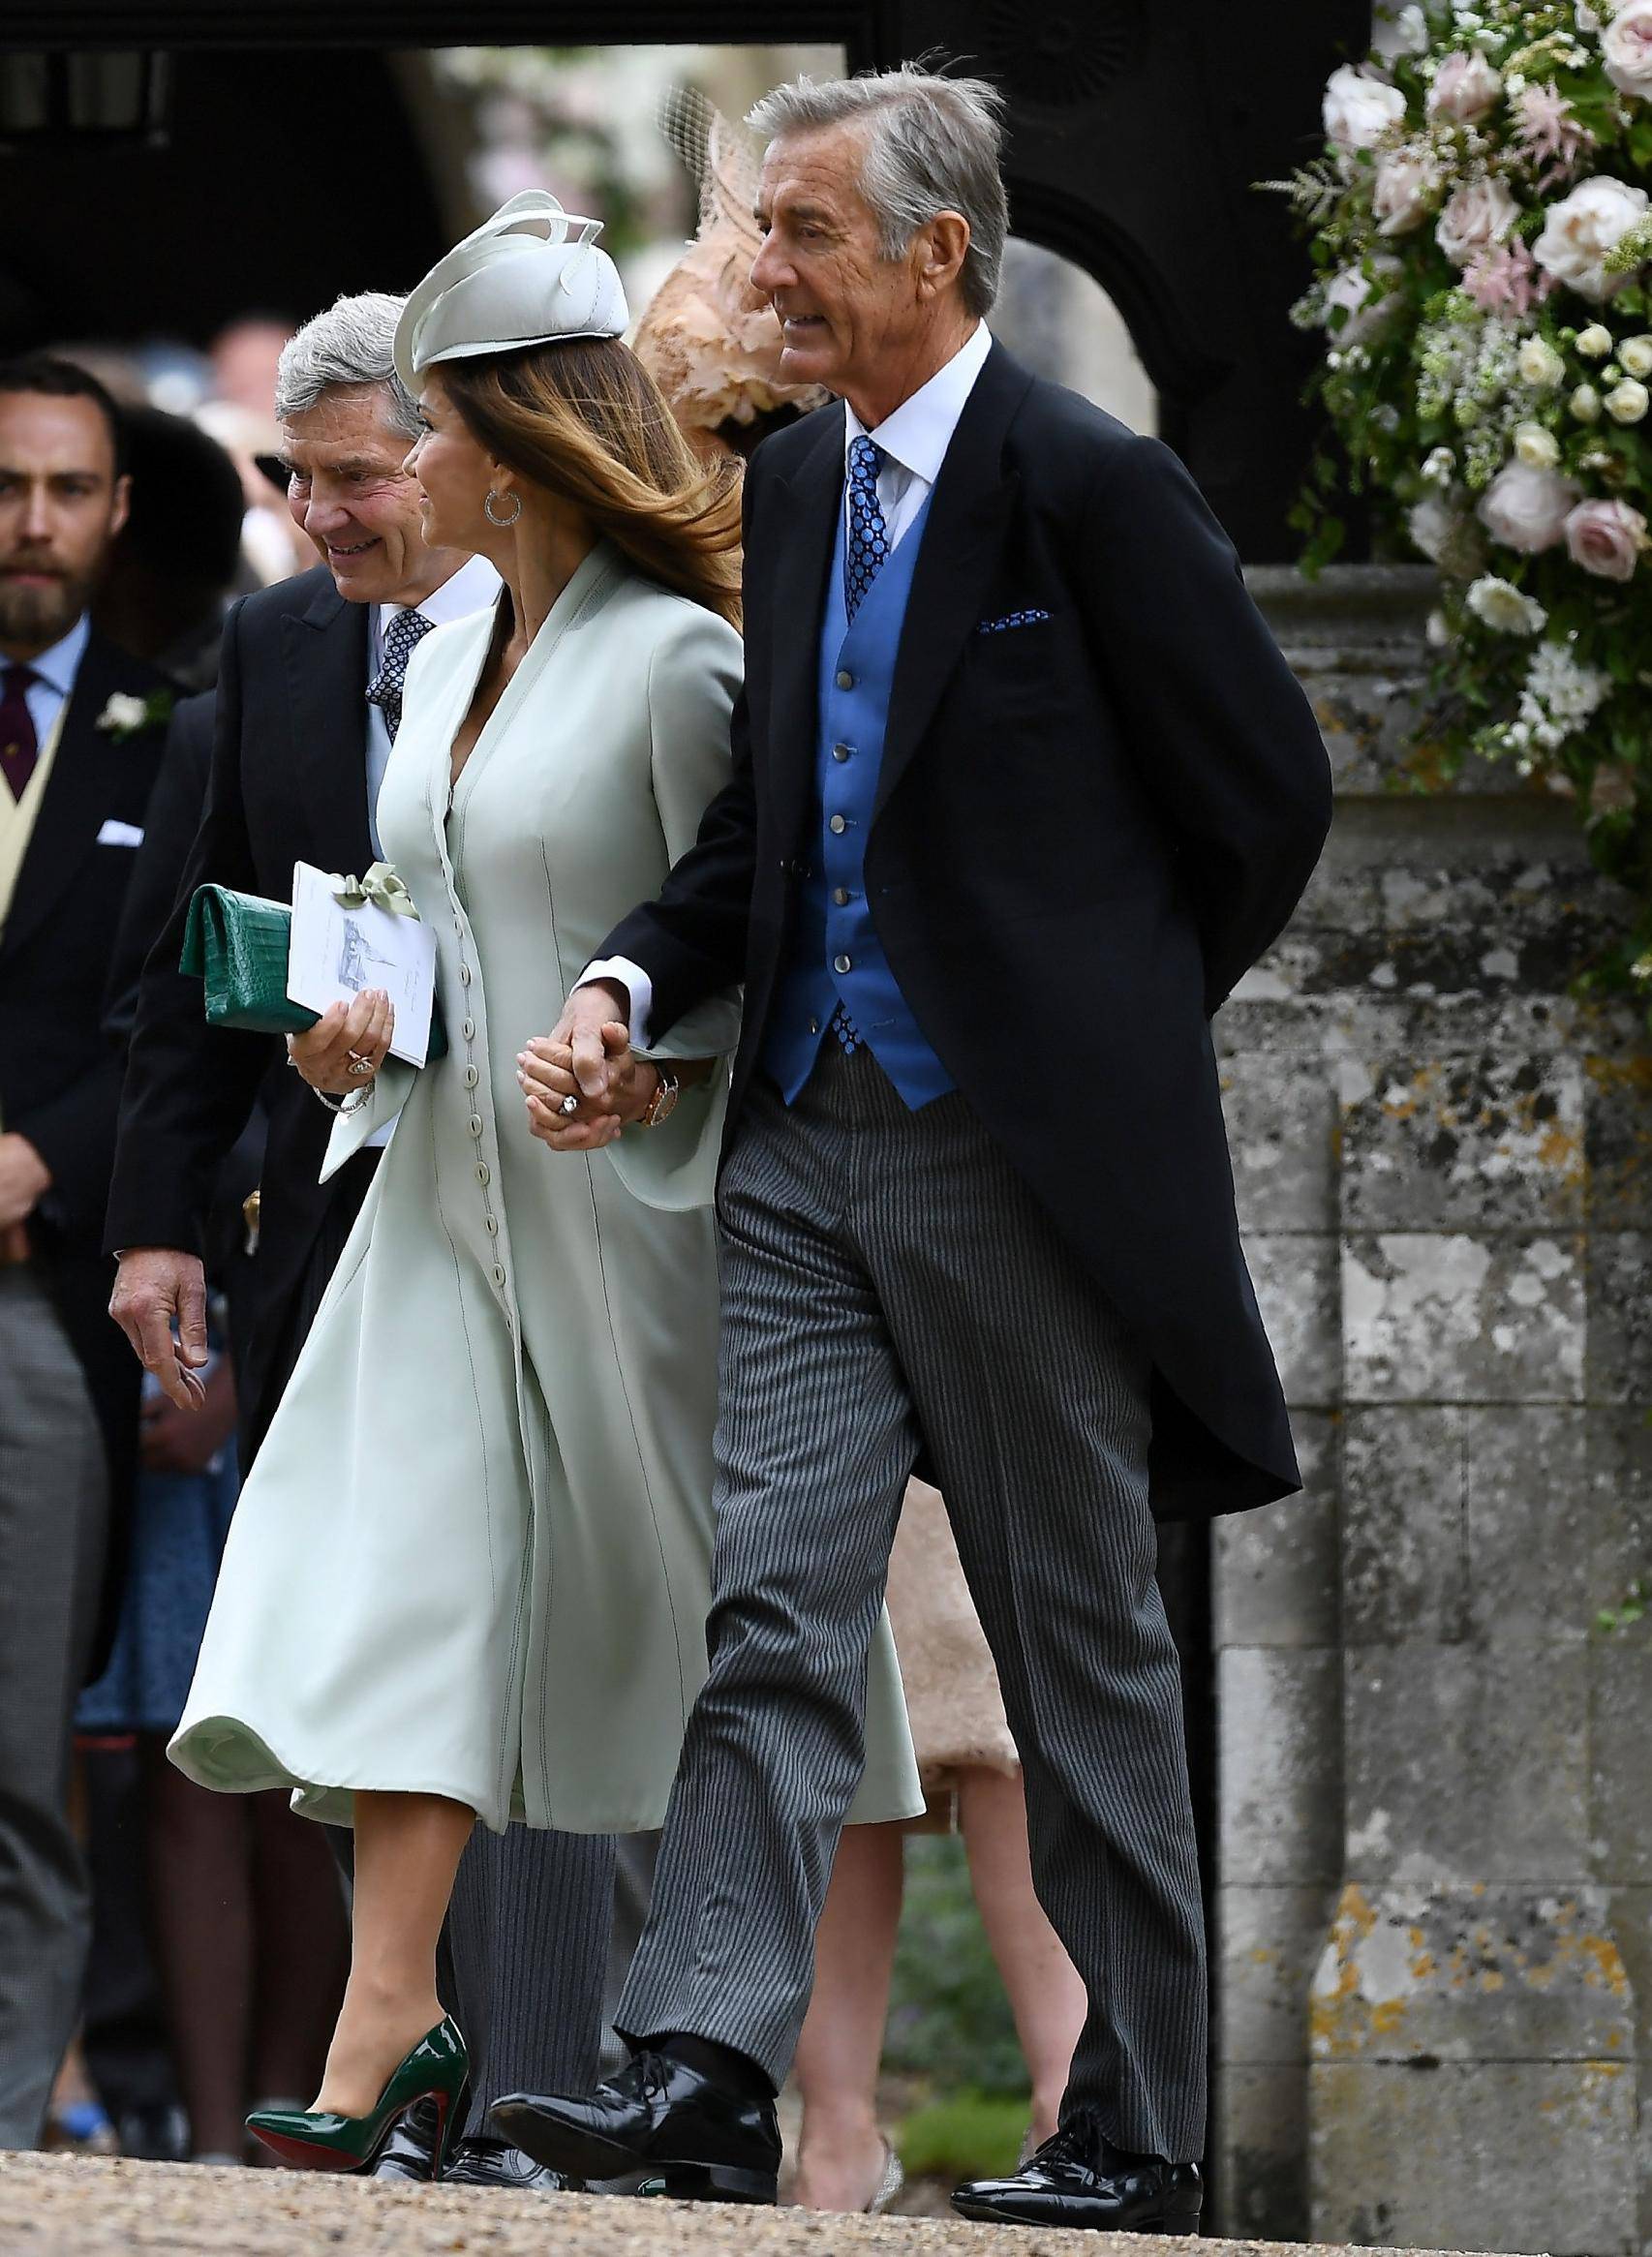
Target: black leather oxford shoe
point(410, 2151)
point(659, 2117)
point(495, 2163)
point(1077, 2178)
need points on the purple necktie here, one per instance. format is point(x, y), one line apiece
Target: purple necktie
point(19, 747)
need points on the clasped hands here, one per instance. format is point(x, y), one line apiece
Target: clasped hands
point(587, 1056)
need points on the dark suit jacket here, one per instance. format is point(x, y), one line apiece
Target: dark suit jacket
point(59, 1084)
point(1087, 829)
point(175, 819)
point(288, 783)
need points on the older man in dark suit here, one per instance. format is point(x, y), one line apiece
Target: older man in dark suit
point(309, 701)
point(1022, 787)
point(81, 727)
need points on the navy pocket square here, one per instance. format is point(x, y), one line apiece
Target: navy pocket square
point(1011, 619)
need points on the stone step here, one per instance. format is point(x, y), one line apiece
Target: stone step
point(69, 2207)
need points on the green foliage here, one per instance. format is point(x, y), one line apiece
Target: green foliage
point(1466, 339)
point(949, 2020)
point(972, 2135)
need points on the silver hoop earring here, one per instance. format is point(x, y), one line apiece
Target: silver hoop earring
point(493, 516)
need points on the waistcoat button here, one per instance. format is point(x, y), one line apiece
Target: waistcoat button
point(842, 752)
point(841, 964)
point(841, 894)
point(837, 825)
point(846, 679)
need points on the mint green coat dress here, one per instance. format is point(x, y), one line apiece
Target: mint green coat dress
point(473, 1557)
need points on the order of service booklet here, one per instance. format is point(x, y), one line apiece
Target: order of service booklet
point(336, 953)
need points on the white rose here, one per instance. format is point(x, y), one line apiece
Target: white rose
point(1403, 32)
point(1439, 467)
point(1635, 354)
point(1365, 297)
point(1538, 447)
point(1500, 604)
point(1527, 508)
point(1359, 109)
point(1539, 365)
point(1438, 630)
point(1585, 404)
point(1583, 228)
point(1628, 402)
point(1478, 215)
point(1466, 87)
point(1406, 187)
point(1433, 526)
point(1627, 46)
point(1595, 342)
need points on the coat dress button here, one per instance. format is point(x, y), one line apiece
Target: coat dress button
point(464, 975)
point(470, 1030)
point(499, 1274)
point(484, 1173)
point(838, 825)
point(841, 964)
point(471, 1077)
point(475, 1124)
point(492, 1225)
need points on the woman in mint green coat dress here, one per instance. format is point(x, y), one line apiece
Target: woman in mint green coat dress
point(468, 1573)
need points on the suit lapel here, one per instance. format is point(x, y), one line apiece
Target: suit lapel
point(80, 790)
point(325, 651)
point(969, 512)
point(806, 506)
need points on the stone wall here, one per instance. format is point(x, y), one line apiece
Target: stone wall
point(1435, 1900)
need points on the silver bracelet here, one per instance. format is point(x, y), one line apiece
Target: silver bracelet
point(351, 1102)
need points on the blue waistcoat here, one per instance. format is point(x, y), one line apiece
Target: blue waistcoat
point(836, 956)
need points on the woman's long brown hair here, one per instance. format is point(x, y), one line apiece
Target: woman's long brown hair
point(585, 420)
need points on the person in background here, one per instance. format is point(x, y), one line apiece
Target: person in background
point(309, 704)
point(177, 559)
point(713, 343)
point(81, 730)
point(245, 358)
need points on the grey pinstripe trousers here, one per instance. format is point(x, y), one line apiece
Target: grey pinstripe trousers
point(53, 1527)
point(887, 1273)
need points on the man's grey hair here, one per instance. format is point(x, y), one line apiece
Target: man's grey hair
point(932, 144)
point(348, 345)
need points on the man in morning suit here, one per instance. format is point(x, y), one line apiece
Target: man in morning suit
point(1022, 787)
point(81, 727)
point(309, 701)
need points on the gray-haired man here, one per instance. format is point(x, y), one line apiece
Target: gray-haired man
point(309, 700)
point(1022, 785)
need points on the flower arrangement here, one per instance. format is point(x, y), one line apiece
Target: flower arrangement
point(1481, 235)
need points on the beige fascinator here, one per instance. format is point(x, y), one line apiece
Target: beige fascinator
point(710, 340)
point(530, 275)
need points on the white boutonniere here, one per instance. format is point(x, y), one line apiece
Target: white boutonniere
point(126, 714)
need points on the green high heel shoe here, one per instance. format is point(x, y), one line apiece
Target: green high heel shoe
point(314, 2139)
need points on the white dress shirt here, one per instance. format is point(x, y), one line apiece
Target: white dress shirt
point(914, 439)
point(472, 588)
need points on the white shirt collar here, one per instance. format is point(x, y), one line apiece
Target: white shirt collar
point(58, 666)
point(919, 432)
point(472, 588)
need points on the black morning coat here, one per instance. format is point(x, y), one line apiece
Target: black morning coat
point(1087, 829)
point(288, 783)
point(59, 1081)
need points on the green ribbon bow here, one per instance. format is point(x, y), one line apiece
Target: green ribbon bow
point(381, 885)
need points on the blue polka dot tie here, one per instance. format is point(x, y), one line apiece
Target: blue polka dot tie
point(868, 536)
point(403, 637)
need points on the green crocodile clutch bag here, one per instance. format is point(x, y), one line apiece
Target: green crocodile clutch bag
point(236, 945)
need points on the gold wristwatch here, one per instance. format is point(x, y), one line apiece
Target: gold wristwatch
point(663, 1103)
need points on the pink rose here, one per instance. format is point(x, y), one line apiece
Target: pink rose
point(1405, 190)
point(1606, 539)
point(1527, 508)
point(1627, 46)
point(1479, 216)
point(1465, 88)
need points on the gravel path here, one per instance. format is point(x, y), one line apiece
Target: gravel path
point(56, 2206)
